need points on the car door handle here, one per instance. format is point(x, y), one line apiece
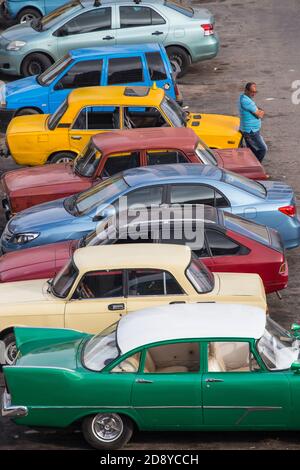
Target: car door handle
point(108, 38)
point(177, 302)
point(157, 33)
point(116, 307)
point(76, 137)
point(214, 380)
point(143, 381)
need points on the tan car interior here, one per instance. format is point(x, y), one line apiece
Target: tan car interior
point(228, 357)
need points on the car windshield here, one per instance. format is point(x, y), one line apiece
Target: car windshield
point(64, 280)
point(101, 193)
point(173, 111)
point(50, 20)
point(251, 186)
point(277, 347)
point(50, 74)
point(201, 278)
point(56, 117)
point(102, 349)
point(87, 162)
point(245, 227)
point(205, 154)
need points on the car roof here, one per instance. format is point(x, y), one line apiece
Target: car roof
point(181, 138)
point(91, 52)
point(135, 255)
point(89, 3)
point(115, 95)
point(188, 321)
point(174, 172)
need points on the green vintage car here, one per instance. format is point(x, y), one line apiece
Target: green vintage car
point(176, 367)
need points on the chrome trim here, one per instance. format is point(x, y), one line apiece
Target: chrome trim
point(252, 408)
point(42, 367)
point(10, 411)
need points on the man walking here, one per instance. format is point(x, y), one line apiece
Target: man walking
point(250, 125)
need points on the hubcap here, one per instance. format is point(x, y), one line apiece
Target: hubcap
point(35, 68)
point(176, 58)
point(10, 353)
point(27, 17)
point(107, 427)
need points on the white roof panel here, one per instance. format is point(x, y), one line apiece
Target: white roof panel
point(186, 321)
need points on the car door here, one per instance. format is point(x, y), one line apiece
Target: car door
point(151, 288)
point(93, 120)
point(97, 302)
point(166, 392)
point(239, 393)
point(83, 73)
point(140, 24)
point(88, 29)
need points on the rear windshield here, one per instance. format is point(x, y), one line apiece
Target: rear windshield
point(250, 186)
point(201, 278)
point(245, 227)
point(180, 7)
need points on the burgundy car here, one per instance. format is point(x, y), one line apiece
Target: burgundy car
point(231, 244)
point(109, 153)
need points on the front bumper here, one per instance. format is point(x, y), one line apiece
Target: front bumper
point(10, 411)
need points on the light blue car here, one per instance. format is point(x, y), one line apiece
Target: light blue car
point(116, 65)
point(186, 32)
point(27, 10)
point(269, 203)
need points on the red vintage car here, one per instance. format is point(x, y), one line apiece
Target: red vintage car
point(231, 244)
point(109, 153)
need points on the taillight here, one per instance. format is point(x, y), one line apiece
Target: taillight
point(283, 270)
point(208, 29)
point(288, 210)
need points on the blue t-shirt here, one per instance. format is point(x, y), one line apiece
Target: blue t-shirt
point(246, 107)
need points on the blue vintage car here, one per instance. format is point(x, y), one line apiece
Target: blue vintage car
point(24, 10)
point(270, 203)
point(114, 65)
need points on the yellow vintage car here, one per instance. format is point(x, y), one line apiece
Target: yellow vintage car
point(38, 139)
point(102, 283)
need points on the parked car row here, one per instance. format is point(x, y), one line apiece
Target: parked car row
point(141, 238)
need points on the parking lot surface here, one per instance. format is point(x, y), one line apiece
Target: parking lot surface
point(259, 42)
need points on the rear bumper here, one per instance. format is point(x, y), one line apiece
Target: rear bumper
point(10, 411)
point(207, 49)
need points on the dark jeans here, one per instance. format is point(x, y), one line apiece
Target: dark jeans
point(255, 141)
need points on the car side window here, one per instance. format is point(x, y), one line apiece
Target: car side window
point(182, 234)
point(172, 358)
point(99, 285)
point(128, 365)
point(89, 22)
point(220, 200)
point(221, 245)
point(156, 67)
point(160, 157)
point(143, 117)
point(230, 356)
point(143, 282)
point(135, 16)
point(192, 194)
point(151, 195)
point(123, 70)
point(82, 74)
point(98, 118)
point(116, 163)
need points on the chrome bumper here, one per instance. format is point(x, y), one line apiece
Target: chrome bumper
point(10, 411)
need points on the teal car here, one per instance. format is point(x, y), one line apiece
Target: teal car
point(186, 32)
point(207, 367)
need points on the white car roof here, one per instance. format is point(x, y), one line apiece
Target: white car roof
point(187, 321)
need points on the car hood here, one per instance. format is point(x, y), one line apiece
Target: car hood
point(40, 176)
point(22, 292)
point(27, 124)
point(21, 32)
point(38, 217)
point(18, 87)
point(241, 160)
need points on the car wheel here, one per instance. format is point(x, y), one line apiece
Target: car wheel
point(35, 64)
point(181, 57)
point(62, 157)
point(27, 111)
point(107, 430)
point(9, 350)
point(28, 14)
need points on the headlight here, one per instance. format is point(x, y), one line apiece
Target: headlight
point(24, 237)
point(15, 45)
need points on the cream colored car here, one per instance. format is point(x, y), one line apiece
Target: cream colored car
point(102, 283)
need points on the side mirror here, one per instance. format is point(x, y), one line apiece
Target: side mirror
point(98, 217)
point(295, 327)
point(296, 367)
point(62, 32)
